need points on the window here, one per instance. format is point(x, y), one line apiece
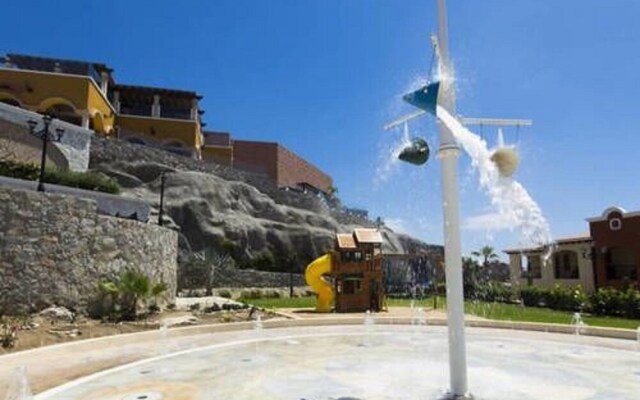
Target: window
point(620, 264)
point(351, 283)
point(357, 256)
point(346, 256)
point(566, 265)
point(534, 267)
point(615, 224)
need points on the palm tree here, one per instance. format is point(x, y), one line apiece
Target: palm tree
point(129, 290)
point(487, 254)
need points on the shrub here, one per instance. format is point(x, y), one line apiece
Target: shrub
point(533, 296)
point(493, 292)
point(566, 298)
point(89, 180)
point(225, 293)
point(119, 299)
point(609, 301)
point(194, 307)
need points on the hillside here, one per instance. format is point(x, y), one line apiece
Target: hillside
point(209, 204)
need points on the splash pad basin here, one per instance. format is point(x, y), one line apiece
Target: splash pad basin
point(380, 362)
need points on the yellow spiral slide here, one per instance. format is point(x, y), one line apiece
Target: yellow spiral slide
point(313, 276)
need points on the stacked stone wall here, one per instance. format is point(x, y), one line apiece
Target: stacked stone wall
point(55, 249)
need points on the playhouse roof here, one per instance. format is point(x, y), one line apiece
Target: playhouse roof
point(364, 235)
point(346, 241)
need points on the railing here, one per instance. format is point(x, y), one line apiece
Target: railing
point(142, 110)
point(176, 113)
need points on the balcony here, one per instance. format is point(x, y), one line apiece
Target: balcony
point(175, 113)
point(140, 110)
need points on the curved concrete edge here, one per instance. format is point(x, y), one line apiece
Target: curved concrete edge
point(145, 336)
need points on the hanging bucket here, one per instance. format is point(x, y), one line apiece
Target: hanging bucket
point(425, 98)
point(417, 153)
point(506, 160)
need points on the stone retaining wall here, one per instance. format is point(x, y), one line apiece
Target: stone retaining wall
point(54, 249)
point(74, 144)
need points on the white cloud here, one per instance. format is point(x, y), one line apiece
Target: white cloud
point(489, 222)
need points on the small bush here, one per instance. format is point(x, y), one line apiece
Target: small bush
point(493, 292)
point(566, 298)
point(212, 308)
point(225, 293)
point(533, 296)
point(153, 309)
point(89, 180)
point(609, 301)
point(194, 307)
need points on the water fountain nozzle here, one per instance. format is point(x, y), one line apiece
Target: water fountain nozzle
point(425, 98)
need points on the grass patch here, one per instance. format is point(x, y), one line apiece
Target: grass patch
point(512, 312)
point(496, 311)
point(283, 302)
point(88, 180)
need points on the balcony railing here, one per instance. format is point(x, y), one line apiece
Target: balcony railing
point(176, 113)
point(142, 110)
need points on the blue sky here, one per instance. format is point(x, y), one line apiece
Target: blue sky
point(323, 76)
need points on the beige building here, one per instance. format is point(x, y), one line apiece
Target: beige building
point(570, 264)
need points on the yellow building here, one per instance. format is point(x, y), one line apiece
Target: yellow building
point(75, 91)
point(85, 94)
point(218, 148)
point(156, 116)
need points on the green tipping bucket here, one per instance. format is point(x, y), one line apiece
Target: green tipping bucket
point(425, 98)
point(417, 153)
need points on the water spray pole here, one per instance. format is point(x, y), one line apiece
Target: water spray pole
point(448, 153)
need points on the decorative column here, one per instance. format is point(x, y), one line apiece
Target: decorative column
point(155, 108)
point(85, 120)
point(194, 109)
point(104, 82)
point(116, 101)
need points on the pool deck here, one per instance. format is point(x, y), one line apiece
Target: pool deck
point(54, 365)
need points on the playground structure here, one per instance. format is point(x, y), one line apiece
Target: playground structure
point(349, 278)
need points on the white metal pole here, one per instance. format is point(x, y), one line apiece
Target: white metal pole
point(449, 153)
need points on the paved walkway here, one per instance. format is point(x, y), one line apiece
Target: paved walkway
point(54, 365)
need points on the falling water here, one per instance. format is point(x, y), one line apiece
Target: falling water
point(19, 386)
point(258, 326)
point(578, 323)
point(508, 196)
point(389, 160)
point(368, 322)
point(163, 333)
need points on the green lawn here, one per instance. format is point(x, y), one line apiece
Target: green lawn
point(497, 311)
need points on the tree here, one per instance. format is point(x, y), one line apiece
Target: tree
point(487, 255)
point(213, 258)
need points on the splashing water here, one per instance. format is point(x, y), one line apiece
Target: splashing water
point(507, 195)
point(389, 160)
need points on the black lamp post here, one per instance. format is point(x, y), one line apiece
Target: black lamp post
point(163, 179)
point(46, 137)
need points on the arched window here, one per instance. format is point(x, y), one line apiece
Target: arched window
point(565, 264)
point(65, 113)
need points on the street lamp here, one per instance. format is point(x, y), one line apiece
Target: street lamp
point(46, 136)
point(163, 179)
